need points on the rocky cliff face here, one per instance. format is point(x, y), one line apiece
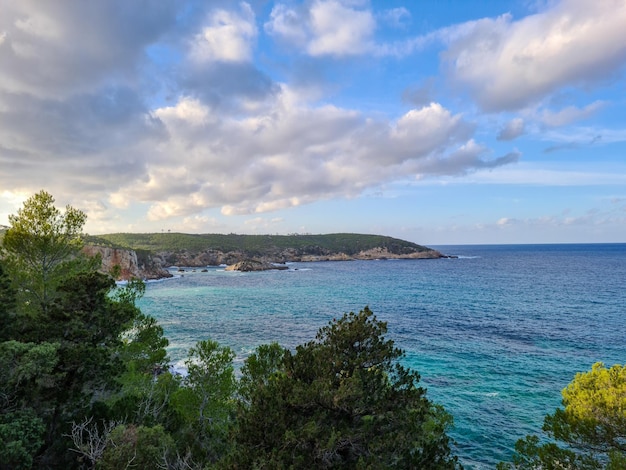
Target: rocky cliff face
point(145, 265)
point(216, 258)
point(198, 260)
point(254, 265)
point(129, 264)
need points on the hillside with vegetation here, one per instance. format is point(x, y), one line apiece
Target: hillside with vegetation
point(259, 245)
point(161, 250)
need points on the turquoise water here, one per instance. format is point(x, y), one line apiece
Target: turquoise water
point(495, 334)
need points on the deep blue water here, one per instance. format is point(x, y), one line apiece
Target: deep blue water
point(495, 334)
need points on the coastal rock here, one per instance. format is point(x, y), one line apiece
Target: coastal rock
point(384, 253)
point(198, 260)
point(253, 265)
point(130, 265)
point(330, 257)
point(212, 257)
point(372, 254)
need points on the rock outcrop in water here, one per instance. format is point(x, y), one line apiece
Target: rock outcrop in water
point(254, 265)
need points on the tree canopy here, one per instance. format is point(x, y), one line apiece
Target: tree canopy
point(41, 248)
point(62, 345)
point(341, 401)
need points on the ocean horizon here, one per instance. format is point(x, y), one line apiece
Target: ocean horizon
point(496, 332)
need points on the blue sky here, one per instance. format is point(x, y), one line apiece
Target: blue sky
point(439, 122)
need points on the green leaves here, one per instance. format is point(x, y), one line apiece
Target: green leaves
point(21, 434)
point(598, 399)
point(206, 400)
point(7, 304)
point(26, 363)
point(61, 335)
point(143, 348)
point(41, 248)
point(341, 400)
point(259, 368)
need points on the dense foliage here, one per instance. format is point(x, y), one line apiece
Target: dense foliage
point(41, 249)
point(61, 336)
point(348, 243)
point(341, 401)
point(588, 433)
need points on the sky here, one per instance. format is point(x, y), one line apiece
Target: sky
point(435, 121)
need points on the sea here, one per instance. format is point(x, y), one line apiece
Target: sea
point(496, 332)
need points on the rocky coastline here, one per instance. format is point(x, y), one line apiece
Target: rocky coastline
point(150, 266)
point(129, 264)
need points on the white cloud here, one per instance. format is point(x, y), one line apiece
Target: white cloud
point(188, 110)
point(338, 30)
point(396, 17)
point(580, 135)
point(512, 130)
point(528, 174)
point(118, 201)
point(162, 109)
point(507, 64)
point(39, 26)
point(293, 154)
point(198, 224)
point(327, 28)
point(288, 24)
point(421, 94)
point(73, 118)
point(423, 131)
point(468, 157)
point(10, 202)
point(55, 49)
point(594, 217)
point(229, 36)
point(569, 114)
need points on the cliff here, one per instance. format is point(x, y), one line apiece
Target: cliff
point(148, 255)
point(129, 265)
point(271, 255)
point(254, 265)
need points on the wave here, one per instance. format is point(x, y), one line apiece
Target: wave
point(124, 282)
point(179, 368)
point(163, 279)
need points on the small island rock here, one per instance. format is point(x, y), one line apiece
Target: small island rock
point(254, 265)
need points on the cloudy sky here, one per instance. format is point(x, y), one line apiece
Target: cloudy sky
point(435, 121)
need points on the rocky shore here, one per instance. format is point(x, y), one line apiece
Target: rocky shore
point(254, 265)
point(154, 265)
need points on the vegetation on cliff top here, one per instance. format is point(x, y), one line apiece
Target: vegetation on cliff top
point(348, 243)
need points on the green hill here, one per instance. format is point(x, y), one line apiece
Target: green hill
point(348, 243)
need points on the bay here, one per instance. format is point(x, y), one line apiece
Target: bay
point(496, 333)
